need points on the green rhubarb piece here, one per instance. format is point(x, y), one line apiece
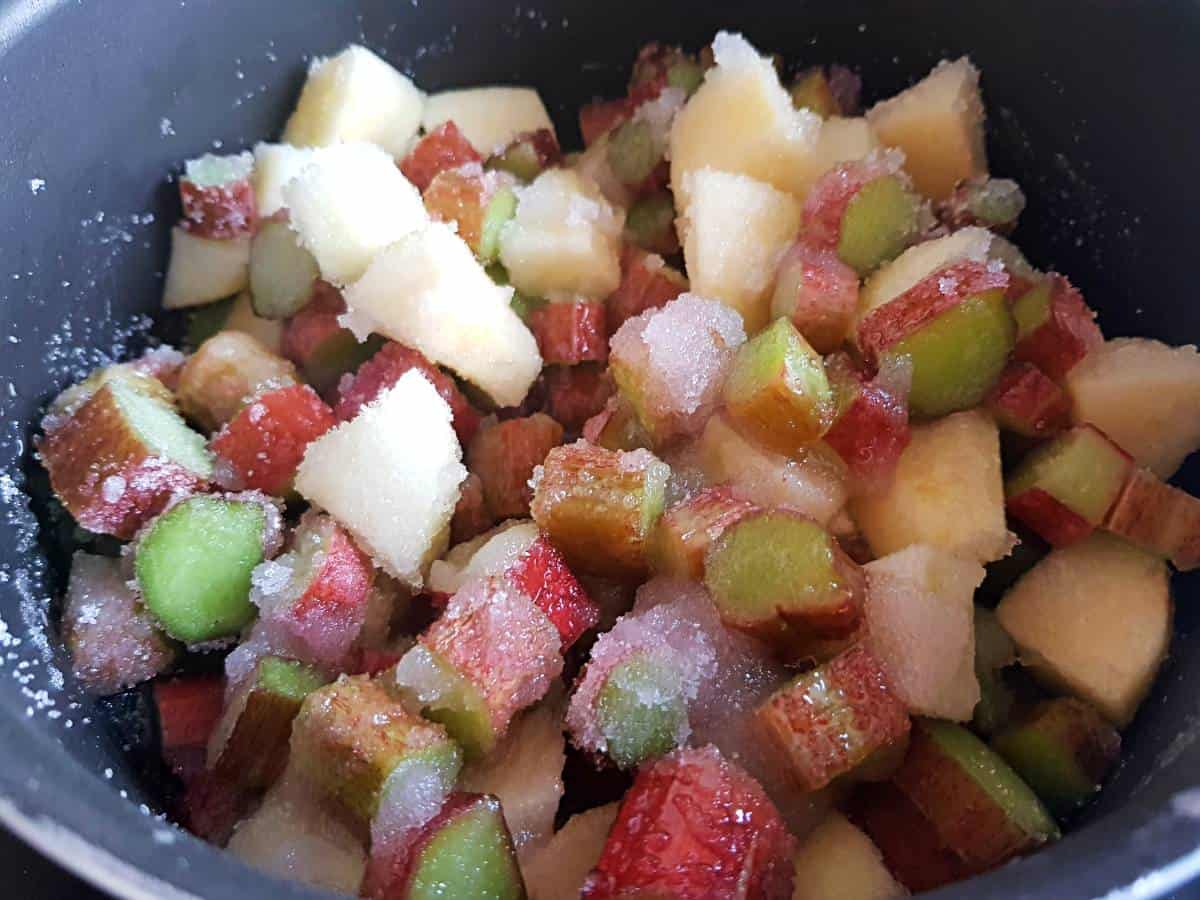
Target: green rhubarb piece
point(520, 159)
point(958, 356)
point(521, 304)
point(777, 389)
point(995, 201)
point(158, 425)
point(994, 650)
point(1081, 469)
point(430, 684)
point(650, 220)
point(1032, 309)
point(781, 576)
point(211, 170)
point(811, 91)
point(623, 430)
point(1063, 751)
point(205, 321)
point(641, 710)
point(686, 75)
point(282, 272)
point(633, 152)
point(879, 222)
point(500, 210)
point(470, 855)
point(340, 353)
point(193, 567)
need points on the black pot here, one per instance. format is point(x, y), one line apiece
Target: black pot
point(1092, 109)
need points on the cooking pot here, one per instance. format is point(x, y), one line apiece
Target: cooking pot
point(1092, 109)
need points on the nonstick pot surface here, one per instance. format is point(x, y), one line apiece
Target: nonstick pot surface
point(1091, 109)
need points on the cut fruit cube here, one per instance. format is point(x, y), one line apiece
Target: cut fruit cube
point(994, 203)
point(1143, 395)
point(818, 293)
point(680, 541)
point(528, 154)
point(938, 123)
point(202, 269)
point(349, 203)
point(504, 457)
point(1064, 489)
point(479, 203)
point(315, 340)
point(947, 492)
point(570, 333)
point(439, 150)
point(1159, 518)
point(1055, 327)
point(249, 745)
point(670, 363)
point(261, 447)
point(225, 373)
point(646, 283)
point(921, 627)
point(240, 316)
point(812, 484)
point(650, 224)
point(781, 577)
point(741, 120)
point(385, 368)
point(724, 835)
point(401, 515)
point(833, 718)
point(865, 210)
point(274, 166)
point(777, 390)
point(565, 239)
point(118, 458)
point(358, 747)
point(543, 575)
point(1027, 402)
point(283, 275)
point(836, 861)
point(576, 393)
point(557, 870)
point(641, 709)
point(464, 851)
point(1063, 750)
point(355, 96)
point(616, 427)
point(187, 708)
point(598, 506)
point(193, 565)
point(870, 430)
point(1099, 593)
point(428, 292)
point(735, 230)
point(432, 686)
point(471, 516)
point(113, 642)
point(217, 193)
point(979, 807)
point(489, 117)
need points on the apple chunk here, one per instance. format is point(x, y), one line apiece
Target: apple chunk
point(274, 166)
point(1093, 620)
point(836, 860)
point(203, 269)
point(489, 117)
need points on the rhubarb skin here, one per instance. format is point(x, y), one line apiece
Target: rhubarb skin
point(443, 148)
point(570, 333)
point(832, 719)
point(471, 516)
point(188, 709)
point(686, 531)
point(575, 394)
point(224, 373)
point(1055, 327)
point(1159, 518)
point(262, 446)
point(504, 457)
point(871, 429)
point(542, 573)
point(223, 211)
point(646, 283)
point(694, 827)
point(1027, 401)
point(317, 343)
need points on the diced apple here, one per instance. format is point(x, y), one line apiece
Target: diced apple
point(400, 505)
point(224, 373)
point(1055, 328)
point(441, 149)
point(938, 123)
point(1027, 402)
point(242, 317)
point(355, 96)
point(920, 625)
point(283, 275)
point(685, 532)
point(947, 492)
point(1142, 394)
point(504, 457)
point(491, 553)
point(742, 121)
point(349, 203)
point(1159, 518)
point(818, 292)
point(528, 154)
point(1093, 620)
point(1065, 488)
point(836, 861)
point(479, 203)
point(489, 117)
point(428, 292)
point(217, 193)
point(813, 484)
point(204, 269)
point(557, 870)
point(274, 166)
point(735, 230)
point(565, 239)
point(647, 282)
point(570, 332)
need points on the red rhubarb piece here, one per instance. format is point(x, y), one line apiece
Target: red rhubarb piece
point(443, 148)
point(543, 575)
point(1025, 400)
point(569, 333)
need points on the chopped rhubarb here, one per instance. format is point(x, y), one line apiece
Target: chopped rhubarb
point(833, 718)
point(471, 516)
point(1055, 327)
point(646, 283)
point(818, 292)
point(528, 154)
point(616, 427)
point(262, 446)
point(576, 393)
point(994, 203)
point(570, 333)
point(694, 826)
point(224, 373)
point(659, 66)
point(870, 430)
point(1065, 488)
point(441, 149)
point(283, 274)
point(479, 203)
point(650, 224)
point(598, 118)
point(218, 196)
point(188, 710)
point(320, 346)
point(543, 575)
point(382, 370)
point(1159, 518)
point(504, 457)
point(1026, 401)
point(599, 506)
point(685, 532)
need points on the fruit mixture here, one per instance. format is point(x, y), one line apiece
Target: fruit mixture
point(726, 509)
